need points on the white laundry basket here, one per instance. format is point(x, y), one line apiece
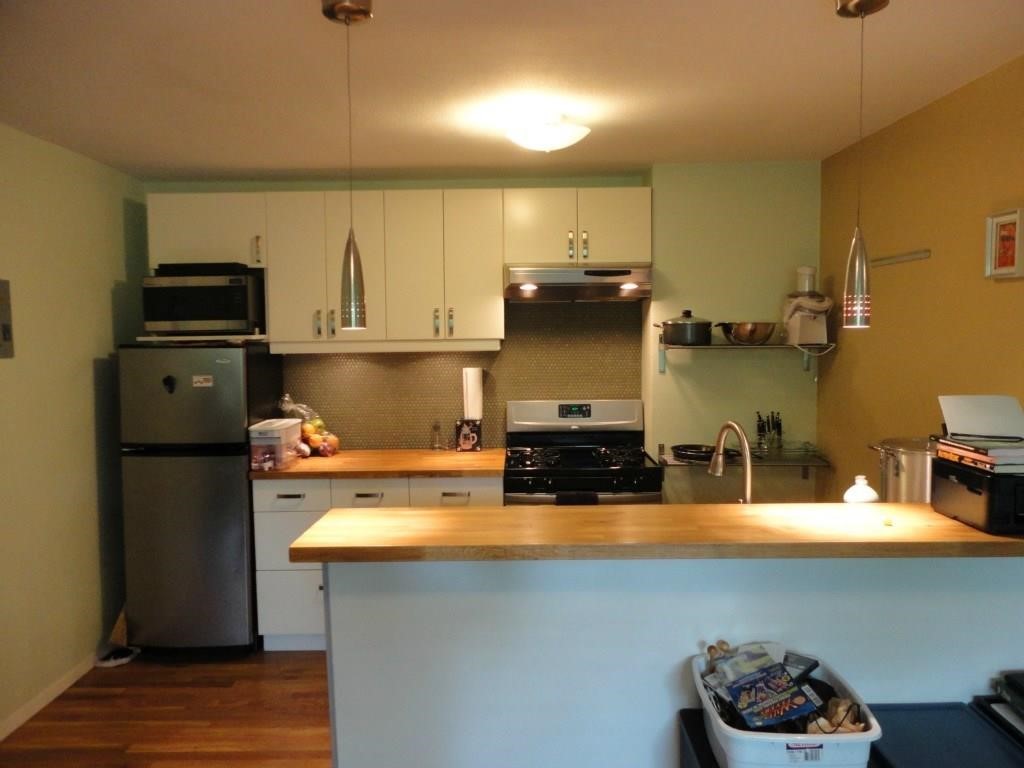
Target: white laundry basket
point(735, 748)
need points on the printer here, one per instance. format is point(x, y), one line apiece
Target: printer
point(992, 502)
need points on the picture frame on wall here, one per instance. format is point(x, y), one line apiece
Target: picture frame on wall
point(1004, 253)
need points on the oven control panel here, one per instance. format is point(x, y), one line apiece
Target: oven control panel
point(574, 410)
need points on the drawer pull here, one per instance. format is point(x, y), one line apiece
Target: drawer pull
point(377, 495)
point(455, 494)
point(291, 495)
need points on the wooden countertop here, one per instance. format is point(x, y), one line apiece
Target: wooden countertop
point(393, 463)
point(643, 532)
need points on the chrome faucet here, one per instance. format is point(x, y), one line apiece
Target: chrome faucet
point(717, 464)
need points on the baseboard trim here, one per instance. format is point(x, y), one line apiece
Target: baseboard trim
point(294, 642)
point(29, 709)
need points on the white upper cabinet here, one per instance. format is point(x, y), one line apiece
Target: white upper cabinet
point(589, 225)
point(615, 225)
point(306, 234)
point(474, 307)
point(207, 227)
point(414, 243)
point(444, 260)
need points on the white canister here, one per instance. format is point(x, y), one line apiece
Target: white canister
point(860, 492)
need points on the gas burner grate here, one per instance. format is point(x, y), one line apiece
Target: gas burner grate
point(619, 456)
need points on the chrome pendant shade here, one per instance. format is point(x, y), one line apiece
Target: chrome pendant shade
point(857, 288)
point(353, 290)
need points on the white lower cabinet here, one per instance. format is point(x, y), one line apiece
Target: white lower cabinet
point(289, 596)
point(370, 492)
point(455, 491)
point(296, 621)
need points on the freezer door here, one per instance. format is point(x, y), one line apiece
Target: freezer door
point(188, 551)
point(175, 395)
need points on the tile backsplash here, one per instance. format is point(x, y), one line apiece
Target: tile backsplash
point(572, 351)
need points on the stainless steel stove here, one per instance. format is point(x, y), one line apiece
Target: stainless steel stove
point(578, 452)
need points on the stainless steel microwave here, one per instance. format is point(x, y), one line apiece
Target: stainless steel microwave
point(203, 304)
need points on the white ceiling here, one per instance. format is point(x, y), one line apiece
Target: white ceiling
point(226, 89)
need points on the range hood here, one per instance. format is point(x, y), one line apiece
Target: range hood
point(612, 283)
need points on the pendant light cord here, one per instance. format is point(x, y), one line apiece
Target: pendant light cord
point(348, 91)
point(860, 122)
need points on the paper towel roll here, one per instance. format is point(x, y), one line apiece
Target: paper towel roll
point(472, 393)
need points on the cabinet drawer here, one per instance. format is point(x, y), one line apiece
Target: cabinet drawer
point(455, 491)
point(371, 492)
point(275, 531)
point(291, 495)
point(290, 602)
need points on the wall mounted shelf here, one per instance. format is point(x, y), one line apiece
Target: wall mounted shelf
point(808, 350)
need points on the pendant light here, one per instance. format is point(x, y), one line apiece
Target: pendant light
point(353, 290)
point(857, 289)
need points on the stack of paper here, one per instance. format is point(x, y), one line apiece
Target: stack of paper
point(984, 431)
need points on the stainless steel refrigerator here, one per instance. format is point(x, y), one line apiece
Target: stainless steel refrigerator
point(185, 413)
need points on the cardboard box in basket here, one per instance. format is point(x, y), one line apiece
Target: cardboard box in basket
point(272, 443)
point(735, 748)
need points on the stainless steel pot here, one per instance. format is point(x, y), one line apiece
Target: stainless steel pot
point(685, 330)
point(905, 465)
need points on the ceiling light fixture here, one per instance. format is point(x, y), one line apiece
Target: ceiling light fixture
point(353, 290)
point(857, 289)
point(547, 135)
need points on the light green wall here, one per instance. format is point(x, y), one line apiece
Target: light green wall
point(727, 241)
point(73, 239)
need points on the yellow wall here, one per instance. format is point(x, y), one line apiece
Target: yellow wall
point(71, 234)
point(938, 326)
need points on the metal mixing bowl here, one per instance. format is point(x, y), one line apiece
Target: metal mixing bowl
point(747, 333)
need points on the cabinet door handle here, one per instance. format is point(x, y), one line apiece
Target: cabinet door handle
point(257, 250)
point(320, 587)
point(451, 321)
point(437, 322)
point(331, 329)
point(291, 495)
point(318, 329)
point(367, 499)
point(584, 244)
point(572, 245)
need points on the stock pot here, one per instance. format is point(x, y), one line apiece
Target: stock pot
point(685, 330)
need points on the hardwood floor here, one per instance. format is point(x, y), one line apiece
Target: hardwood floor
point(264, 710)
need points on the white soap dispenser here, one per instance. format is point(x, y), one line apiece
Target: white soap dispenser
point(860, 491)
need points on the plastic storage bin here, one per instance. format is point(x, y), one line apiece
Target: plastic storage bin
point(734, 748)
point(272, 443)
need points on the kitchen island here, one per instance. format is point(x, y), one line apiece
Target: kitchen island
point(557, 636)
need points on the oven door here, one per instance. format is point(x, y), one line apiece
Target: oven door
point(577, 498)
